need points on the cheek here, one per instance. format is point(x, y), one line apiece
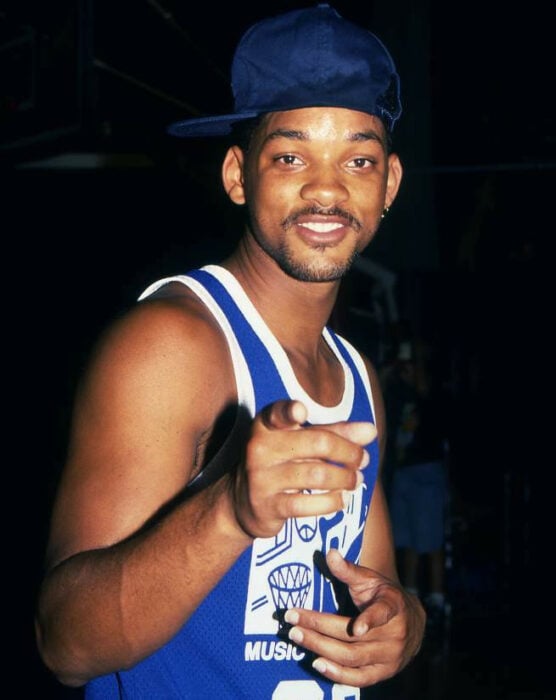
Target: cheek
point(273, 200)
point(265, 215)
point(278, 191)
point(369, 206)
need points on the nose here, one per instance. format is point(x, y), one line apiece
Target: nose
point(324, 188)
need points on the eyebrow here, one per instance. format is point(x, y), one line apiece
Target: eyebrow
point(287, 134)
point(296, 135)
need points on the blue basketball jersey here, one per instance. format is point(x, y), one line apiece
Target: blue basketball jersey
point(231, 647)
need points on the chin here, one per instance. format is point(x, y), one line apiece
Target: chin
point(315, 271)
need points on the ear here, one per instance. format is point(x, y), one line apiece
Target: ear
point(395, 172)
point(232, 175)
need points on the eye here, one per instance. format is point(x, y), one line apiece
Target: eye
point(288, 159)
point(361, 162)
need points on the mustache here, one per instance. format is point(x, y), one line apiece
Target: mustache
point(322, 211)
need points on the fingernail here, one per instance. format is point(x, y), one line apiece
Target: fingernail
point(292, 617)
point(319, 665)
point(365, 460)
point(360, 479)
point(296, 635)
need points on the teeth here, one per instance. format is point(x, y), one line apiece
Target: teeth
point(322, 227)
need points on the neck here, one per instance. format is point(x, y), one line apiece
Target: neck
point(295, 311)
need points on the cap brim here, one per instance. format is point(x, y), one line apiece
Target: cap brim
point(208, 126)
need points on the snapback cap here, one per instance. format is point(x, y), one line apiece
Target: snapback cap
point(305, 58)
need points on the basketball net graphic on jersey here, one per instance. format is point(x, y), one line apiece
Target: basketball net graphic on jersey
point(282, 572)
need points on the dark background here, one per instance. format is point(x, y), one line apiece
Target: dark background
point(98, 201)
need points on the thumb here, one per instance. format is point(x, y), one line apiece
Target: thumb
point(284, 415)
point(366, 588)
point(353, 575)
point(338, 566)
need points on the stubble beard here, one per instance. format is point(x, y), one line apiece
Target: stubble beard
point(318, 269)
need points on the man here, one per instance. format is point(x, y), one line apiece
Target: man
point(218, 531)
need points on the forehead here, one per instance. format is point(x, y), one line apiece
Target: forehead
point(322, 123)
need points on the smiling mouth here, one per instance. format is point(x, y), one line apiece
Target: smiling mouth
point(322, 221)
point(321, 227)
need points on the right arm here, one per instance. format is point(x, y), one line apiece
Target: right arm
point(118, 583)
point(115, 590)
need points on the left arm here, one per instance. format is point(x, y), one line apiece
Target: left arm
point(386, 634)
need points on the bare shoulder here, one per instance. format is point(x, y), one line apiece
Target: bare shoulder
point(163, 349)
point(162, 339)
point(158, 379)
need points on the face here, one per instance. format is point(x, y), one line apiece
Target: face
point(315, 182)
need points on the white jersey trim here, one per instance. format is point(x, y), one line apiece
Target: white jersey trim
point(317, 413)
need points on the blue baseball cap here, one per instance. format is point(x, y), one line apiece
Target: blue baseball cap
point(305, 58)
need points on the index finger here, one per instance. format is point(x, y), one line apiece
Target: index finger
point(360, 432)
